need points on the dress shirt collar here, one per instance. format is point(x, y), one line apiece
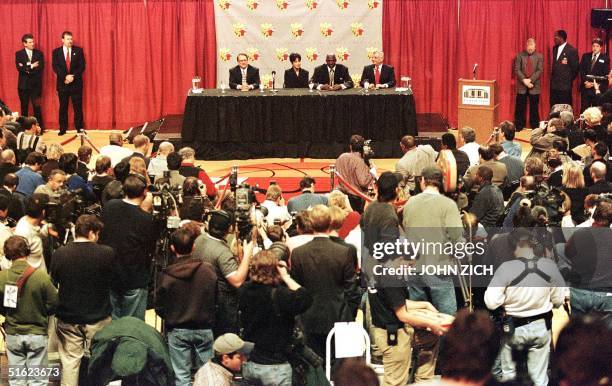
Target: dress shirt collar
point(66, 50)
point(331, 69)
point(29, 52)
point(560, 49)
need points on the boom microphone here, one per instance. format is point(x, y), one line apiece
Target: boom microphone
point(474, 70)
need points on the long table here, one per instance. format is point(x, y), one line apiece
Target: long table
point(295, 122)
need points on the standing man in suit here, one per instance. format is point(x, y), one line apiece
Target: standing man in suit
point(564, 70)
point(327, 270)
point(593, 63)
point(296, 76)
point(528, 68)
point(69, 65)
point(30, 64)
point(331, 76)
point(379, 75)
point(244, 77)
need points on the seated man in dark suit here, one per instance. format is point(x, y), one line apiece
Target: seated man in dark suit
point(244, 77)
point(331, 76)
point(296, 77)
point(378, 75)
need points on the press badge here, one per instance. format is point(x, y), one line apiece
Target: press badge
point(10, 295)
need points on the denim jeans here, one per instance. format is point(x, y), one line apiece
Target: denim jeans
point(132, 302)
point(536, 339)
point(438, 290)
point(25, 351)
point(268, 375)
point(584, 301)
point(189, 350)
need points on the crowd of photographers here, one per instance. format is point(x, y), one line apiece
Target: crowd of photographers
point(233, 278)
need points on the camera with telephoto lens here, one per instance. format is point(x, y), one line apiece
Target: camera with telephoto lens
point(246, 206)
point(166, 201)
point(66, 206)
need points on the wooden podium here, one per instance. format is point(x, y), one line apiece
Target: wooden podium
point(478, 103)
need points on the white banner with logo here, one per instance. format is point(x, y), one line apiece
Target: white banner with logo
point(269, 30)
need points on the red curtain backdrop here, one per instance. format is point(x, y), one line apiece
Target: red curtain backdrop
point(437, 42)
point(140, 55)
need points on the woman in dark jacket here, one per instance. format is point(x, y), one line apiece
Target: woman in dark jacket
point(296, 77)
point(573, 186)
point(268, 310)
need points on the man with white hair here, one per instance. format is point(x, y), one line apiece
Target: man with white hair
point(159, 164)
point(378, 75)
point(188, 169)
point(598, 174)
point(115, 150)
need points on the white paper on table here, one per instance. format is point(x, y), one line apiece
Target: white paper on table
point(349, 340)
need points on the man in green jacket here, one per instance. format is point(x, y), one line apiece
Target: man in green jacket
point(29, 298)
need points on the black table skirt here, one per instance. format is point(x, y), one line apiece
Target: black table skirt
point(295, 123)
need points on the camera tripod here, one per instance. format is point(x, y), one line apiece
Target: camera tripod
point(83, 137)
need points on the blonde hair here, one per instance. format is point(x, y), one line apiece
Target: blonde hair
point(55, 151)
point(572, 176)
point(339, 199)
point(263, 268)
point(138, 166)
point(593, 115)
point(320, 218)
point(273, 193)
point(337, 216)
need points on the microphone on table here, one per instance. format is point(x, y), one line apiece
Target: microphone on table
point(273, 79)
point(474, 70)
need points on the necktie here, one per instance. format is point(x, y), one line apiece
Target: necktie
point(29, 55)
point(244, 78)
point(68, 59)
point(377, 75)
point(528, 67)
point(593, 61)
point(331, 77)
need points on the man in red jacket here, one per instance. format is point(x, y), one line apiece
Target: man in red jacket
point(186, 300)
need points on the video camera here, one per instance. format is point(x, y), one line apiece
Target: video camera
point(166, 201)
point(66, 206)
point(246, 206)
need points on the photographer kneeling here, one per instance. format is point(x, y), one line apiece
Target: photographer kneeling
point(268, 310)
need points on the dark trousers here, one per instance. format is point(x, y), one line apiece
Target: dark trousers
point(560, 97)
point(357, 203)
point(519, 112)
point(27, 96)
point(588, 99)
point(77, 106)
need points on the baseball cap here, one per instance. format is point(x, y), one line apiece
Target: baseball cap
point(229, 343)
